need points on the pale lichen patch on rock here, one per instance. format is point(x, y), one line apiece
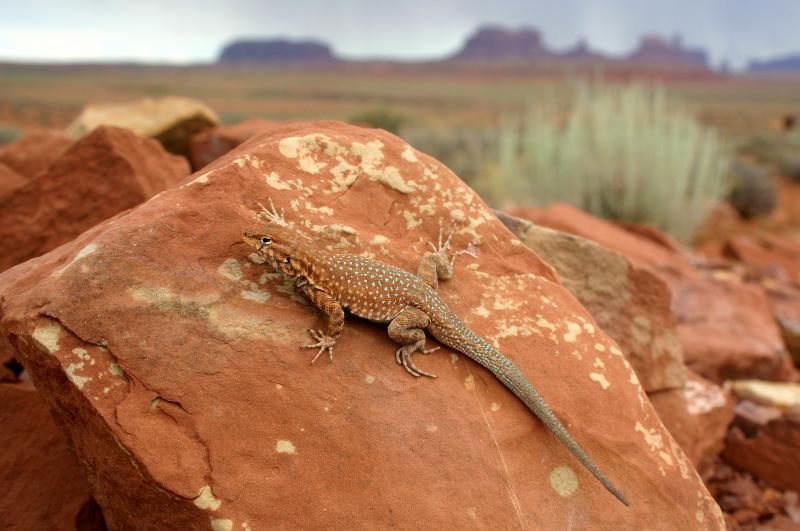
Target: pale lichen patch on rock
point(74, 377)
point(494, 406)
point(563, 480)
point(275, 181)
point(469, 383)
point(654, 440)
point(411, 220)
point(573, 331)
point(284, 446)
point(221, 524)
point(46, 336)
point(369, 379)
point(599, 378)
point(409, 155)
point(206, 500)
point(231, 269)
point(200, 179)
point(83, 253)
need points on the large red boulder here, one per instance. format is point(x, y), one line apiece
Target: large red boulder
point(172, 354)
point(104, 173)
point(40, 478)
point(34, 152)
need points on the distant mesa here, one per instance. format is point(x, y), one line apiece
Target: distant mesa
point(654, 49)
point(276, 51)
point(492, 43)
point(525, 45)
point(785, 64)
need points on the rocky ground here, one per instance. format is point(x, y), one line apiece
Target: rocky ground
point(168, 359)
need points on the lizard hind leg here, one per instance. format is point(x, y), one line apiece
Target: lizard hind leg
point(408, 329)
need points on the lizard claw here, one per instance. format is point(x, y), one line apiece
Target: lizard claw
point(403, 357)
point(324, 342)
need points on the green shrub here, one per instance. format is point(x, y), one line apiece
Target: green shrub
point(9, 133)
point(752, 193)
point(770, 147)
point(619, 152)
point(381, 118)
point(790, 167)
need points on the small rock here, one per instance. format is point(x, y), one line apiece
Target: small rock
point(104, 173)
point(775, 394)
point(34, 152)
point(171, 120)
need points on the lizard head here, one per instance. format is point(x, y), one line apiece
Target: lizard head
point(278, 245)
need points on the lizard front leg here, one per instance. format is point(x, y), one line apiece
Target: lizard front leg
point(436, 265)
point(335, 315)
point(408, 329)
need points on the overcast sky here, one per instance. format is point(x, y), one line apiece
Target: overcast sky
point(195, 30)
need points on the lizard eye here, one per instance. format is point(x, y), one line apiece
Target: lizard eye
point(265, 240)
point(286, 260)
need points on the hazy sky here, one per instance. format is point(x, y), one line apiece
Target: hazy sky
point(195, 30)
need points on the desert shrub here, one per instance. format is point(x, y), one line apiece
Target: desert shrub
point(752, 192)
point(381, 118)
point(466, 151)
point(770, 147)
point(790, 167)
point(620, 152)
point(9, 133)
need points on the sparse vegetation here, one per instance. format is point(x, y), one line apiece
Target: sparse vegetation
point(380, 117)
point(790, 167)
point(619, 152)
point(752, 193)
point(9, 133)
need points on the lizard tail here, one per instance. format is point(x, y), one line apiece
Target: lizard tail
point(507, 372)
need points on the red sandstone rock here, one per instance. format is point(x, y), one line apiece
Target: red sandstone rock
point(176, 360)
point(9, 180)
point(34, 152)
point(630, 303)
point(641, 251)
point(39, 477)
point(209, 145)
point(698, 417)
point(770, 258)
point(726, 326)
point(106, 172)
point(772, 452)
point(727, 331)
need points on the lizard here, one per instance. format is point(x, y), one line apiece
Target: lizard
point(408, 303)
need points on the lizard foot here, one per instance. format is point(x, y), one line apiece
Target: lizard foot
point(444, 246)
point(324, 342)
point(403, 357)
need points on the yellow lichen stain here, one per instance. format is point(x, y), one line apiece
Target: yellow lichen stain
point(599, 378)
point(481, 310)
point(221, 524)
point(409, 155)
point(573, 331)
point(76, 379)
point(494, 406)
point(200, 179)
point(472, 513)
point(469, 383)
point(411, 220)
point(83, 253)
point(665, 457)
point(431, 428)
point(453, 358)
point(544, 323)
point(589, 328)
point(284, 446)
point(615, 351)
point(275, 181)
point(457, 215)
point(231, 269)
point(206, 500)
point(369, 379)
point(46, 336)
point(599, 347)
point(115, 369)
point(699, 516)
point(653, 439)
point(563, 480)
point(598, 363)
point(82, 353)
point(255, 295)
